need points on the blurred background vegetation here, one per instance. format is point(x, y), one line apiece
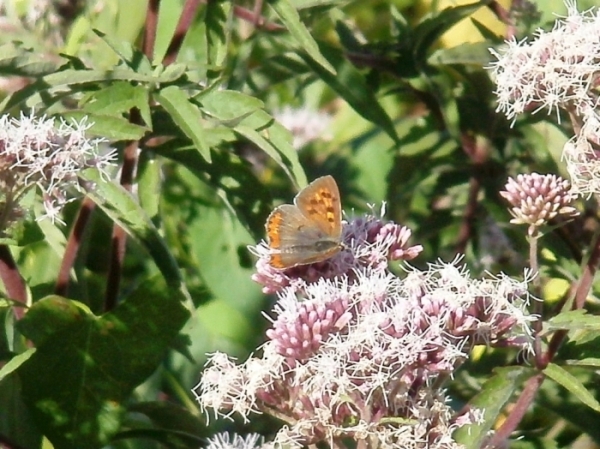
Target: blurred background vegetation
point(392, 98)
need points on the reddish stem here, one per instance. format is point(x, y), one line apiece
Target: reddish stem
point(13, 283)
point(130, 157)
point(500, 12)
point(185, 20)
point(516, 415)
point(258, 20)
point(504, 16)
point(587, 279)
point(150, 27)
point(119, 237)
point(73, 244)
point(258, 6)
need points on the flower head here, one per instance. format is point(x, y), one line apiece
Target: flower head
point(536, 199)
point(557, 70)
point(582, 155)
point(361, 357)
point(226, 441)
point(39, 153)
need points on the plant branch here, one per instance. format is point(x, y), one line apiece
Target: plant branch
point(517, 412)
point(538, 306)
point(258, 6)
point(589, 271)
point(130, 156)
point(73, 245)
point(119, 237)
point(13, 282)
point(258, 20)
point(190, 8)
point(150, 28)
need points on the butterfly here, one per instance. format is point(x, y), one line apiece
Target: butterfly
point(308, 231)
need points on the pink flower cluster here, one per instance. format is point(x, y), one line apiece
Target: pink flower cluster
point(356, 352)
point(369, 243)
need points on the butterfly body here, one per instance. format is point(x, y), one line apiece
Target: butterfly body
point(308, 231)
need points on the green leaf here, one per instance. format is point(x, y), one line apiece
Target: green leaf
point(219, 244)
point(186, 115)
point(574, 320)
point(291, 19)
point(353, 88)
point(121, 207)
point(91, 364)
point(430, 30)
point(487, 34)
point(40, 261)
point(15, 363)
point(281, 139)
point(572, 384)
point(229, 105)
point(277, 69)
point(261, 142)
point(581, 345)
point(555, 402)
point(372, 161)
point(216, 16)
point(16, 422)
point(495, 394)
point(535, 442)
point(118, 99)
point(149, 178)
point(75, 78)
point(24, 62)
point(245, 195)
point(471, 53)
point(48, 315)
point(231, 319)
point(109, 126)
point(591, 362)
point(174, 418)
point(127, 53)
point(275, 140)
point(31, 91)
point(170, 73)
point(348, 38)
point(405, 65)
point(163, 438)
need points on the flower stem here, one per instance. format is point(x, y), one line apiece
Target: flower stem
point(73, 244)
point(13, 282)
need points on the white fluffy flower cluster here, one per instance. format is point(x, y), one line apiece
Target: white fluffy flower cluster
point(227, 441)
point(39, 152)
point(555, 70)
point(366, 358)
point(558, 71)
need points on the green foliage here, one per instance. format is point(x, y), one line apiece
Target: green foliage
point(111, 360)
point(78, 401)
point(496, 393)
